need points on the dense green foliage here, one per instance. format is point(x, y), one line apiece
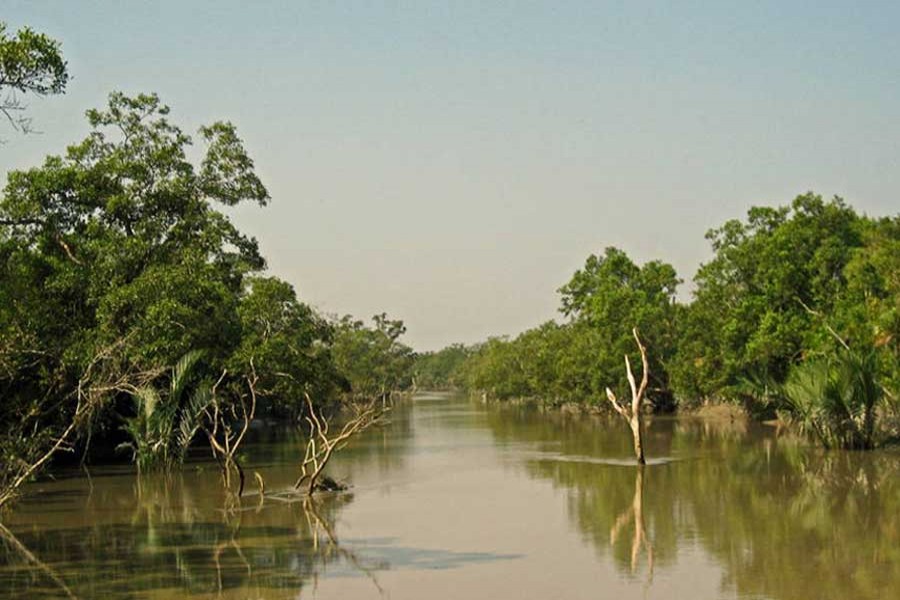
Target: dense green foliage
point(575, 361)
point(787, 287)
point(834, 398)
point(119, 240)
point(440, 370)
point(117, 263)
point(372, 360)
point(164, 423)
point(288, 345)
point(757, 305)
point(30, 63)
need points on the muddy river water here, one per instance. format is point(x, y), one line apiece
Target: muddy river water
point(455, 499)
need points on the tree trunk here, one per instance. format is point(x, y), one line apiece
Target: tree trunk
point(632, 413)
point(638, 437)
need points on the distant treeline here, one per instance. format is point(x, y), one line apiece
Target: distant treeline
point(787, 286)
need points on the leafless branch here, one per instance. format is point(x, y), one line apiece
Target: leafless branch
point(632, 414)
point(221, 420)
point(321, 446)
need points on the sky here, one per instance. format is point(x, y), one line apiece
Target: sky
point(453, 163)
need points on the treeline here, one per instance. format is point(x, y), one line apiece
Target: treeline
point(123, 283)
point(788, 288)
point(441, 370)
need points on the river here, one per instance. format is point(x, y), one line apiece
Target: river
point(455, 499)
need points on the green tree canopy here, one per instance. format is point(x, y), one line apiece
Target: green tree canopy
point(287, 344)
point(372, 360)
point(576, 360)
point(122, 242)
point(610, 296)
point(30, 63)
point(756, 302)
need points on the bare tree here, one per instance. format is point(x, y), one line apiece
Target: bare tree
point(33, 458)
point(632, 414)
point(322, 444)
point(226, 423)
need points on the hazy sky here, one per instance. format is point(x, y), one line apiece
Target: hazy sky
point(454, 163)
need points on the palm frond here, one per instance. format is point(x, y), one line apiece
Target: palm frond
point(192, 415)
point(835, 398)
point(182, 372)
point(147, 401)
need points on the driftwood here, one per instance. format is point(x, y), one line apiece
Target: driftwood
point(632, 414)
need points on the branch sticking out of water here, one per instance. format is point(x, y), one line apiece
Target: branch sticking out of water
point(321, 444)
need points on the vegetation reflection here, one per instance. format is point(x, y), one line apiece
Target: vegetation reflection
point(782, 519)
point(174, 543)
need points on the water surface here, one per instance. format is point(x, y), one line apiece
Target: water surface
point(453, 499)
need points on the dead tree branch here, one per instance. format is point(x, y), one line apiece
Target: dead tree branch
point(321, 445)
point(632, 414)
point(102, 378)
point(226, 425)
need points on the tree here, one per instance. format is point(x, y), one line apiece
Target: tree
point(118, 243)
point(749, 315)
point(632, 413)
point(288, 344)
point(120, 237)
point(322, 442)
point(495, 369)
point(755, 315)
point(224, 413)
point(574, 361)
point(163, 424)
point(29, 439)
point(835, 399)
point(30, 63)
point(610, 295)
point(372, 359)
point(440, 370)
point(122, 243)
point(868, 310)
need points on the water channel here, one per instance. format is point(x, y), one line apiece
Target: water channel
point(455, 499)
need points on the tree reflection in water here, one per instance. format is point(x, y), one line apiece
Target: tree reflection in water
point(635, 514)
point(782, 519)
point(14, 549)
point(177, 543)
